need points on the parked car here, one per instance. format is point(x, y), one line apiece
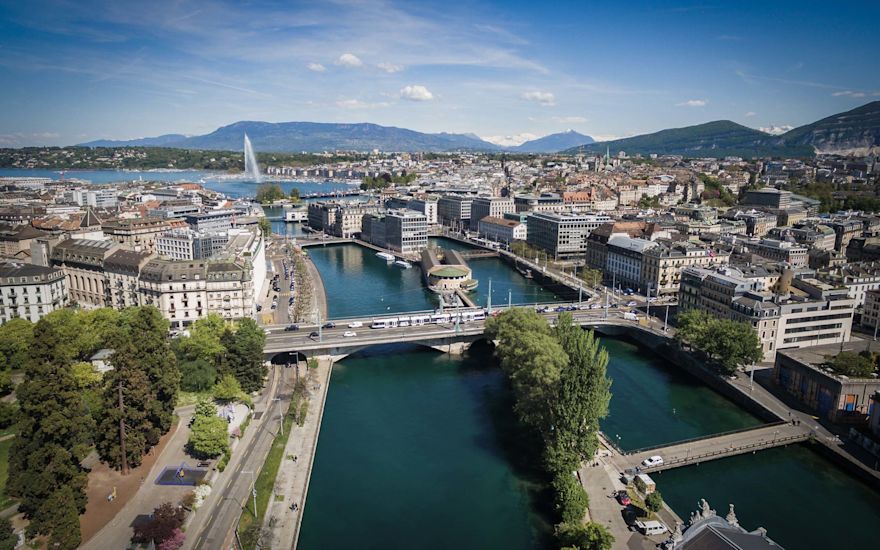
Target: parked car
point(623, 498)
point(291, 328)
point(349, 333)
point(259, 307)
point(652, 461)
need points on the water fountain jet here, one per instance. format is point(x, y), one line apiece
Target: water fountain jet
point(251, 168)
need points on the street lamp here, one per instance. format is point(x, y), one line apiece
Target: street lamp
point(253, 489)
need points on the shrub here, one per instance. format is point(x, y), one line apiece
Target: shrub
point(197, 375)
point(8, 414)
point(164, 521)
point(227, 389)
point(571, 499)
point(654, 501)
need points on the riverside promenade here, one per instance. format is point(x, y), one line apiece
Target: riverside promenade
point(281, 525)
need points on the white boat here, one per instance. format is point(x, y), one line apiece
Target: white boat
point(403, 263)
point(385, 256)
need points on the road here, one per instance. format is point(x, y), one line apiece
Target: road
point(213, 524)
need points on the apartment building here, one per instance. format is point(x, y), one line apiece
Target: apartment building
point(122, 271)
point(662, 264)
point(30, 291)
point(82, 261)
point(562, 235)
point(139, 233)
point(406, 231)
point(545, 202)
point(495, 207)
point(858, 278)
point(212, 221)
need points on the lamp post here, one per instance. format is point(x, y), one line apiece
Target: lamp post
point(253, 489)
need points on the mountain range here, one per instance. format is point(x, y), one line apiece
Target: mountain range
point(853, 132)
point(316, 137)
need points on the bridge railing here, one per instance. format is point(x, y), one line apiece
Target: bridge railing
point(728, 451)
point(703, 438)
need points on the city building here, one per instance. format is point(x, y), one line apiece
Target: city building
point(139, 233)
point(455, 211)
point(406, 231)
point(662, 265)
point(545, 202)
point(82, 262)
point(495, 207)
point(562, 235)
point(502, 230)
point(799, 313)
point(30, 291)
point(768, 197)
point(623, 261)
point(212, 221)
point(122, 271)
point(187, 244)
point(15, 241)
point(804, 374)
point(793, 254)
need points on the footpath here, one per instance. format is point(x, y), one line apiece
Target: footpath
point(281, 524)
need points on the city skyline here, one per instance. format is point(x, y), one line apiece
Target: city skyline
point(507, 72)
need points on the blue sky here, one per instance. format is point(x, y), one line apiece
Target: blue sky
point(78, 70)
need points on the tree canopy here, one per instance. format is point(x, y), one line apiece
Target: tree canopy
point(269, 193)
point(731, 344)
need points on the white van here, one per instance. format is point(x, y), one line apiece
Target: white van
point(356, 324)
point(651, 527)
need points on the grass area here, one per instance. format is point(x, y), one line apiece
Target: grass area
point(5, 501)
point(186, 398)
point(248, 525)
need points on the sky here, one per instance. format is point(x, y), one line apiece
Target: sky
point(506, 70)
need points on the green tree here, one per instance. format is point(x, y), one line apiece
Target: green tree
point(8, 414)
point(244, 355)
point(590, 536)
point(162, 524)
point(654, 501)
point(203, 341)
point(227, 388)
point(269, 193)
point(731, 344)
point(265, 226)
point(852, 364)
point(592, 277)
point(583, 394)
point(294, 195)
point(197, 375)
point(571, 500)
point(8, 538)
point(85, 375)
point(53, 437)
point(209, 437)
point(16, 339)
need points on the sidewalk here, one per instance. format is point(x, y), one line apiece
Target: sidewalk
point(292, 481)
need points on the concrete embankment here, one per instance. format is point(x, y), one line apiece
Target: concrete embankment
point(319, 296)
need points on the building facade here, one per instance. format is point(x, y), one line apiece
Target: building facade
point(30, 291)
point(562, 235)
point(495, 207)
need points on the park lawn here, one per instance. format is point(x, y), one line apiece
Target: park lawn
point(247, 524)
point(186, 398)
point(5, 501)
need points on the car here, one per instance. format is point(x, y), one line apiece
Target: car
point(291, 328)
point(259, 307)
point(623, 498)
point(313, 334)
point(652, 461)
point(329, 325)
point(355, 324)
point(631, 304)
point(560, 309)
point(349, 333)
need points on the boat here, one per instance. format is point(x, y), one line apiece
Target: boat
point(525, 272)
point(403, 263)
point(385, 256)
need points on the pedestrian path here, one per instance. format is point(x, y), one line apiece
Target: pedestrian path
point(281, 522)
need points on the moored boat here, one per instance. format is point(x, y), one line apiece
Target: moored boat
point(385, 256)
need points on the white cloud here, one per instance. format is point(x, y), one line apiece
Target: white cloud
point(317, 67)
point(416, 93)
point(542, 98)
point(509, 141)
point(849, 93)
point(390, 68)
point(358, 104)
point(693, 103)
point(349, 60)
point(21, 139)
point(751, 113)
point(776, 130)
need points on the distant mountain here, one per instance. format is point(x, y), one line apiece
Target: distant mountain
point(316, 137)
point(553, 143)
point(720, 138)
point(856, 131)
point(853, 132)
point(159, 141)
